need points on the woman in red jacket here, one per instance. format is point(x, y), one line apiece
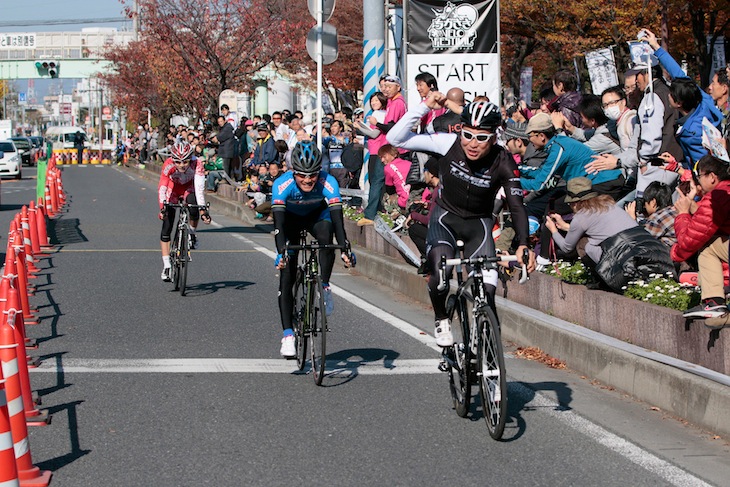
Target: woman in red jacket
point(704, 227)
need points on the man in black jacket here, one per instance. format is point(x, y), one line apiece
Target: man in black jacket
point(226, 143)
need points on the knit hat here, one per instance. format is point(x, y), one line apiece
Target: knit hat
point(515, 131)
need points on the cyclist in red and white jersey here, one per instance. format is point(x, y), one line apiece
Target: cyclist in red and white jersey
point(182, 178)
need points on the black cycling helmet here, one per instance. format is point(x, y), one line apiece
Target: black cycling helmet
point(481, 115)
point(306, 157)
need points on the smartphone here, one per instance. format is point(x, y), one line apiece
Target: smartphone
point(684, 187)
point(656, 161)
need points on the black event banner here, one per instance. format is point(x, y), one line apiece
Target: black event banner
point(446, 27)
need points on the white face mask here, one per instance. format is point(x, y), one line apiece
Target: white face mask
point(612, 112)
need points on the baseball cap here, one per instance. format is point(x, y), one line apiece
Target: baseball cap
point(392, 79)
point(248, 123)
point(540, 122)
point(262, 126)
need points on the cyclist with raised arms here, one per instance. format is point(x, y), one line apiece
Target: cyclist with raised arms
point(305, 198)
point(471, 172)
point(182, 178)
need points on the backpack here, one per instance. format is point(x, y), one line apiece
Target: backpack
point(352, 157)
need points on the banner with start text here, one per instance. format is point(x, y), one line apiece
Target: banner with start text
point(457, 43)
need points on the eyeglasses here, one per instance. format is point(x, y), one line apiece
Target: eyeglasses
point(182, 163)
point(481, 138)
point(275, 118)
point(610, 103)
point(306, 175)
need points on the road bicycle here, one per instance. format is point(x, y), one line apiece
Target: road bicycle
point(180, 245)
point(309, 317)
point(477, 356)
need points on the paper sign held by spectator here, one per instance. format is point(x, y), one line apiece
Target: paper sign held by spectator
point(602, 69)
point(712, 141)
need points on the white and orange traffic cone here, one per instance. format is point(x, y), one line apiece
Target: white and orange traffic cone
point(42, 227)
point(27, 243)
point(35, 244)
point(33, 415)
point(8, 469)
point(28, 474)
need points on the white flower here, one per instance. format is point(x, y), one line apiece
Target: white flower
point(650, 295)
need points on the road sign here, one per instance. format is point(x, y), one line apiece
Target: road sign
point(329, 43)
point(328, 8)
point(106, 111)
point(65, 109)
point(22, 98)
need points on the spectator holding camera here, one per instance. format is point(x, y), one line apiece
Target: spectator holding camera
point(704, 227)
point(659, 210)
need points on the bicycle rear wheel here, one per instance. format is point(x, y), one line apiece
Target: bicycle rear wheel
point(174, 260)
point(491, 372)
point(459, 356)
point(299, 319)
point(318, 330)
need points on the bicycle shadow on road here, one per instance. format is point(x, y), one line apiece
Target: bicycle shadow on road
point(521, 394)
point(206, 288)
point(238, 229)
point(343, 366)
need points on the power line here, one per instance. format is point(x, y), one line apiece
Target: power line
point(25, 23)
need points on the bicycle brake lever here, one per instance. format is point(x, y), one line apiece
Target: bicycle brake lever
point(523, 273)
point(442, 274)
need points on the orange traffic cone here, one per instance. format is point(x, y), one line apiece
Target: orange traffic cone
point(29, 474)
point(33, 415)
point(61, 192)
point(33, 225)
point(8, 469)
point(24, 243)
point(27, 243)
point(42, 228)
point(19, 270)
point(47, 197)
point(54, 192)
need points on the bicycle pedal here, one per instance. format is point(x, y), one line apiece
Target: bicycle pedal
point(443, 367)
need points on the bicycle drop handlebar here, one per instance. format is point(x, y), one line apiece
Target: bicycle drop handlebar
point(186, 205)
point(479, 261)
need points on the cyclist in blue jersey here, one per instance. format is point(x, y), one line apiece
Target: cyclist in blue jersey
point(305, 198)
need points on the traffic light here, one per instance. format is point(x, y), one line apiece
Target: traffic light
point(53, 68)
point(47, 67)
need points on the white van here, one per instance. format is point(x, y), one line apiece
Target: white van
point(63, 137)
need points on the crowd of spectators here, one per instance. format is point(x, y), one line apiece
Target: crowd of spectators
point(620, 179)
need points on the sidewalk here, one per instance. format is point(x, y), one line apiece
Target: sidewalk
point(699, 395)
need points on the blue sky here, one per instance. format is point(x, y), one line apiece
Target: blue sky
point(54, 9)
point(46, 10)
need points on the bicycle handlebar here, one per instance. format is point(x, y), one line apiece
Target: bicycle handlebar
point(315, 246)
point(478, 261)
point(186, 205)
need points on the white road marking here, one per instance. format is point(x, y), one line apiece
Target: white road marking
point(632, 452)
point(234, 365)
point(402, 325)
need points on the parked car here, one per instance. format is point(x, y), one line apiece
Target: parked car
point(10, 164)
point(25, 149)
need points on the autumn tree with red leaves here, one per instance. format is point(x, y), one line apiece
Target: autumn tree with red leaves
point(191, 50)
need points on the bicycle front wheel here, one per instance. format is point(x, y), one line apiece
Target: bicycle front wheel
point(184, 260)
point(459, 356)
point(299, 319)
point(318, 330)
point(491, 372)
point(174, 260)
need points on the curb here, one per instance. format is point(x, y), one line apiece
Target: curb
point(626, 367)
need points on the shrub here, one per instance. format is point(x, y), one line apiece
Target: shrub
point(575, 273)
point(663, 291)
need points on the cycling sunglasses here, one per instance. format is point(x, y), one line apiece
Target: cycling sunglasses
point(306, 175)
point(481, 138)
